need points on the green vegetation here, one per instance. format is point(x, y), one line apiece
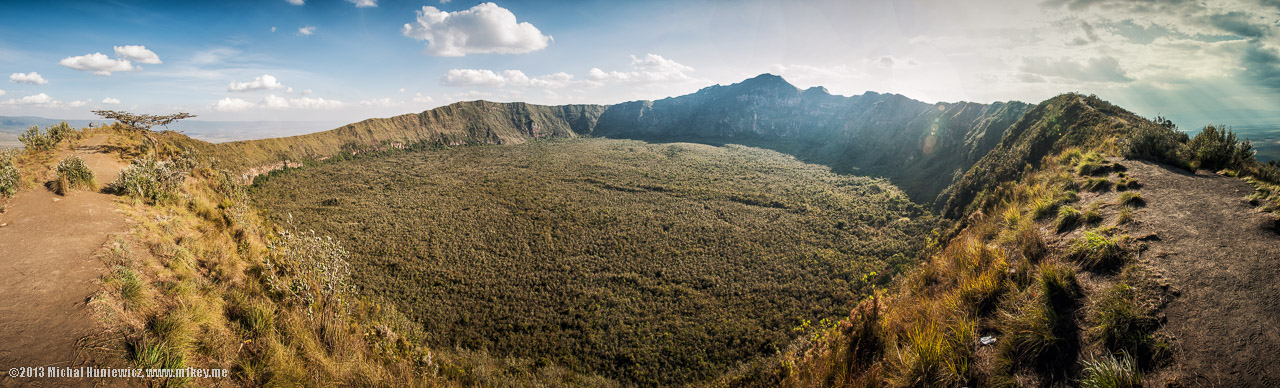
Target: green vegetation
point(1111, 372)
point(9, 175)
point(150, 180)
point(1096, 251)
point(35, 140)
point(1068, 218)
point(655, 264)
point(73, 173)
point(1131, 199)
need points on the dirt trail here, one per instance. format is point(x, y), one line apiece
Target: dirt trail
point(46, 245)
point(1223, 259)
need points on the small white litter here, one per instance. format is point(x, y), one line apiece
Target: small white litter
point(987, 340)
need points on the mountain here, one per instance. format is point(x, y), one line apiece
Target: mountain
point(921, 147)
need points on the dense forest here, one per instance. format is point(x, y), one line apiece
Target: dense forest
point(654, 264)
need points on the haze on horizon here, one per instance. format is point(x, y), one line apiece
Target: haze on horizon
point(346, 60)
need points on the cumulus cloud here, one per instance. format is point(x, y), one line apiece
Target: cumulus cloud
point(483, 29)
point(514, 78)
point(364, 3)
point(296, 2)
point(138, 54)
point(382, 102)
point(264, 82)
point(110, 101)
point(232, 105)
point(77, 104)
point(1239, 23)
point(307, 31)
point(35, 99)
point(1099, 69)
point(32, 78)
point(2, 92)
point(419, 98)
point(308, 103)
point(650, 68)
point(98, 63)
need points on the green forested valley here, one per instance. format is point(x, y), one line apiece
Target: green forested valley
point(653, 264)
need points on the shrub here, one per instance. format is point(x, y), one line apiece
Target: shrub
point(1161, 142)
point(1068, 218)
point(1216, 147)
point(1131, 199)
point(1096, 251)
point(9, 175)
point(60, 132)
point(149, 179)
point(35, 140)
point(310, 270)
point(74, 173)
point(1110, 372)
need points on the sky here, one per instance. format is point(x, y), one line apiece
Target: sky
point(1197, 62)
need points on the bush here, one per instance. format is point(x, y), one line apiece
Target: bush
point(1161, 142)
point(35, 140)
point(149, 179)
point(9, 176)
point(310, 270)
point(1216, 148)
point(1098, 184)
point(73, 173)
point(1109, 372)
point(60, 132)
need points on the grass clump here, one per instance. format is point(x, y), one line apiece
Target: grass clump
point(1119, 323)
point(1097, 184)
point(1043, 207)
point(1091, 217)
point(1097, 251)
point(1131, 199)
point(148, 179)
point(1068, 218)
point(73, 173)
point(1109, 371)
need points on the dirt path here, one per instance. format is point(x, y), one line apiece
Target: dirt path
point(1223, 259)
point(46, 245)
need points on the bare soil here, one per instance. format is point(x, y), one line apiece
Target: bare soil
point(47, 244)
point(1221, 258)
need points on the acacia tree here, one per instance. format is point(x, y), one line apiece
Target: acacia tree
point(142, 123)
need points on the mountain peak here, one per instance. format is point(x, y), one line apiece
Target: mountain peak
point(766, 80)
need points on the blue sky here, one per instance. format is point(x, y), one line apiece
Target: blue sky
point(340, 60)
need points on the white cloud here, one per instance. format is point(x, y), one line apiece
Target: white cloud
point(33, 78)
point(264, 82)
point(232, 105)
point(418, 97)
point(35, 99)
point(651, 68)
point(516, 78)
point(484, 29)
point(307, 31)
point(385, 101)
point(472, 77)
point(77, 104)
point(364, 3)
point(444, 1)
point(98, 63)
point(296, 2)
point(308, 103)
point(401, 90)
point(110, 101)
point(2, 92)
point(138, 54)
point(273, 28)
point(306, 92)
point(1099, 69)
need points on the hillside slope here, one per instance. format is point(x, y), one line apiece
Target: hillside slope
point(476, 122)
